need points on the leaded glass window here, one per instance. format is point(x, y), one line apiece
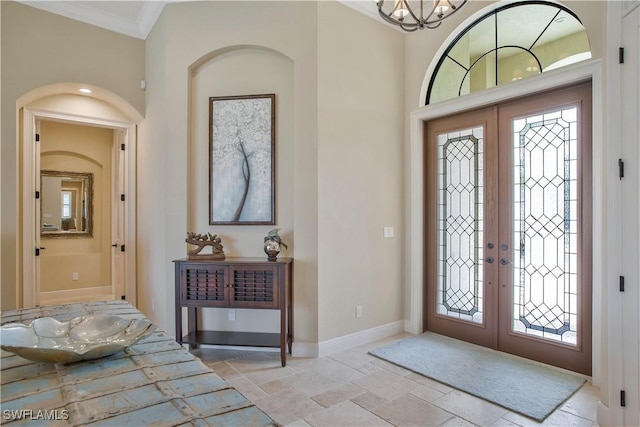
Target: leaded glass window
point(512, 42)
point(460, 185)
point(545, 261)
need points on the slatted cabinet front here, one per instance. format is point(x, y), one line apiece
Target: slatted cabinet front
point(254, 286)
point(203, 285)
point(228, 286)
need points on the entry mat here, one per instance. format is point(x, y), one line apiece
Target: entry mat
point(522, 386)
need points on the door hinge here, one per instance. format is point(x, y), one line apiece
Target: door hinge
point(37, 137)
point(121, 248)
point(122, 197)
point(620, 55)
point(121, 147)
point(37, 194)
point(37, 251)
point(623, 398)
point(621, 283)
point(620, 168)
point(122, 297)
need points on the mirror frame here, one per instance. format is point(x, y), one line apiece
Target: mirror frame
point(88, 176)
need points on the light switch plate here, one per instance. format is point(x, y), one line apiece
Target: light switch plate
point(388, 232)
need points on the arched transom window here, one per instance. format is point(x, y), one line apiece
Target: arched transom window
point(511, 42)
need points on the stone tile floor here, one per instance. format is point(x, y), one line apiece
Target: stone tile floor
point(353, 388)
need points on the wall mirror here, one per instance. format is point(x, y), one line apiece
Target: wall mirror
point(66, 204)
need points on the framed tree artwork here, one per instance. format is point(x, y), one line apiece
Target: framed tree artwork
point(242, 159)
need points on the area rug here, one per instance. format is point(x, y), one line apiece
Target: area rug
point(522, 386)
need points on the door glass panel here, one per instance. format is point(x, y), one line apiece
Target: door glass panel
point(460, 196)
point(545, 225)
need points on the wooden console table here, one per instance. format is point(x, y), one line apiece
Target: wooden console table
point(251, 283)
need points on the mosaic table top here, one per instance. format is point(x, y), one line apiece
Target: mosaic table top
point(154, 382)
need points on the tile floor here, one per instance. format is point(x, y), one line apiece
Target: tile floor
point(353, 388)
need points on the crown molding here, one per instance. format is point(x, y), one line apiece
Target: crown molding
point(139, 28)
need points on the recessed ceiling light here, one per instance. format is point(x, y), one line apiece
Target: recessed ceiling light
point(85, 90)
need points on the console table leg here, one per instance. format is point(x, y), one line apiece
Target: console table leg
point(283, 335)
point(290, 327)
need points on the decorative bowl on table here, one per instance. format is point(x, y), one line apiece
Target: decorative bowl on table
point(82, 338)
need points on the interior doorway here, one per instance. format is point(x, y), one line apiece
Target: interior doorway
point(105, 111)
point(77, 213)
point(508, 227)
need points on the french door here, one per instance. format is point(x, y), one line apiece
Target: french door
point(508, 227)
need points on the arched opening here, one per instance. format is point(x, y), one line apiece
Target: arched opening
point(507, 43)
point(71, 121)
point(244, 71)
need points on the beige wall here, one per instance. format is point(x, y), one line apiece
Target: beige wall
point(360, 188)
point(86, 149)
point(39, 48)
point(338, 180)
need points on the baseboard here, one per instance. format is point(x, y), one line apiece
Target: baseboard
point(97, 293)
point(346, 342)
point(335, 345)
point(412, 328)
point(603, 416)
point(304, 349)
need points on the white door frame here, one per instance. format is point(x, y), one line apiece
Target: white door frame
point(557, 78)
point(30, 171)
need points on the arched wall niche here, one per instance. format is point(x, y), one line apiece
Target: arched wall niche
point(217, 53)
point(241, 70)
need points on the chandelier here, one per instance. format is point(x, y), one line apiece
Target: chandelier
point(411, 15)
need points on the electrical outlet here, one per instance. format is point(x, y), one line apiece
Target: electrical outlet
point(358, 311)
point(75, 276)
point(232, 314)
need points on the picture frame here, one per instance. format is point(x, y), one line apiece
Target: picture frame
point(242, 160)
